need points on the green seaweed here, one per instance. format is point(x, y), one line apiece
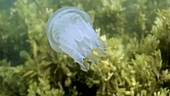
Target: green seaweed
point(136, 64)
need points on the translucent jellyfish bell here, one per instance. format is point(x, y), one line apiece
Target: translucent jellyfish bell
point(69, 30)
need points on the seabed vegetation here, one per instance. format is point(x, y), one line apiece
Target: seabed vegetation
point(137, 33)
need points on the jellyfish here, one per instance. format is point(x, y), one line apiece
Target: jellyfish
point(70, 31)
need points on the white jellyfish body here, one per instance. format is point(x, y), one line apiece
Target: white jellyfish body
point(69, 30)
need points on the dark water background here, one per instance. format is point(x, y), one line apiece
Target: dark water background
point(6, 4)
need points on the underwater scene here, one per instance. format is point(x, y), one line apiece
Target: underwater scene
point(84, 47)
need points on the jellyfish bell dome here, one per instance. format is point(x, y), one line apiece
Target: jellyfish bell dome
point(69, 30)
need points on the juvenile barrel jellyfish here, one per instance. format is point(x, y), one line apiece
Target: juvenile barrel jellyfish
point(70, 31)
